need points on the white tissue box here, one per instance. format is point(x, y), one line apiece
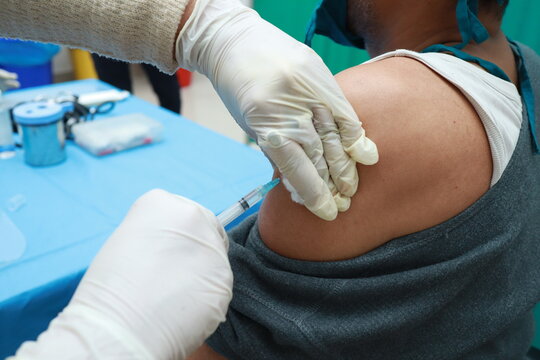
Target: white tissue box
point(110, 135)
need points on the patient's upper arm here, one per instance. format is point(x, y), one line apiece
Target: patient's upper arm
point(435, 161)
point(205, 352)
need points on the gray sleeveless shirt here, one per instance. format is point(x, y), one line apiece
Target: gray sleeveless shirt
point(463, 289)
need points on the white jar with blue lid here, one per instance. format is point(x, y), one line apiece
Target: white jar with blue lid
point(42, 130)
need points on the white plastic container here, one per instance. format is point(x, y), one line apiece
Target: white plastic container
point(111, 135)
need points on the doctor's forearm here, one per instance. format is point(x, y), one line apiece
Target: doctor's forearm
point(131, 30)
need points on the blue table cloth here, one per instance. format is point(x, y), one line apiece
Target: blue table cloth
point(53, 220)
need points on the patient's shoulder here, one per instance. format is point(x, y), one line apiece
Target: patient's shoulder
point(435, 161)
point(401, 88)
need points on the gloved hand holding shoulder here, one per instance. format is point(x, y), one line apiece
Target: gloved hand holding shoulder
point(281, 93)
point(277, 89)
point(157, 289)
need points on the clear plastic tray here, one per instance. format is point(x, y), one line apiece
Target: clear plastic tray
point(111, 135)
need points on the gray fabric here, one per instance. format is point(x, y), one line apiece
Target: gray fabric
point(461, 290)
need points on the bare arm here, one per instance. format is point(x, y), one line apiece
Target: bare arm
point(205, 352)
point(132, 30)
point(435, 161)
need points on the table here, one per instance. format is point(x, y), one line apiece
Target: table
point(58, 217)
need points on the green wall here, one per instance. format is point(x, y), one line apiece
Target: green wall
point(536, 341)
point(292, 16)
point(521, 23)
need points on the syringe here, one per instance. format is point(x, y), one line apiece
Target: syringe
point(241, 206)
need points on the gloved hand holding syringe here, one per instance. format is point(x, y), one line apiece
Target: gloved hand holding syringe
point(157, 289)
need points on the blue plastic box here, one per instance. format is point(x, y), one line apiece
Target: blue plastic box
point(31, 61)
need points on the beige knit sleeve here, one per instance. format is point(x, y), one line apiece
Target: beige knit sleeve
point(131, 30)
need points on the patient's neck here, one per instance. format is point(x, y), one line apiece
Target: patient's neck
point(403, 34)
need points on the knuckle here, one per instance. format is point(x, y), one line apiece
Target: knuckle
point(154, 195)
point(327, 133)
point(296, 65)
point(346, 179)
point(259, 96)
point(307, 56)
point(149, 202)
point(202, 213)
point(288, 166)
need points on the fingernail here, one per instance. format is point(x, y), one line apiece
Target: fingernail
point(325, 209)
point(343, 202)
point(364, 151)
point(349, 181)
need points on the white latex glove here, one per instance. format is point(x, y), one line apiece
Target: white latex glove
point(281, 93)
point(157, 289)
point(8, 81)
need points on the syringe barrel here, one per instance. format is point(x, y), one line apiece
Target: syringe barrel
point(230, 214)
